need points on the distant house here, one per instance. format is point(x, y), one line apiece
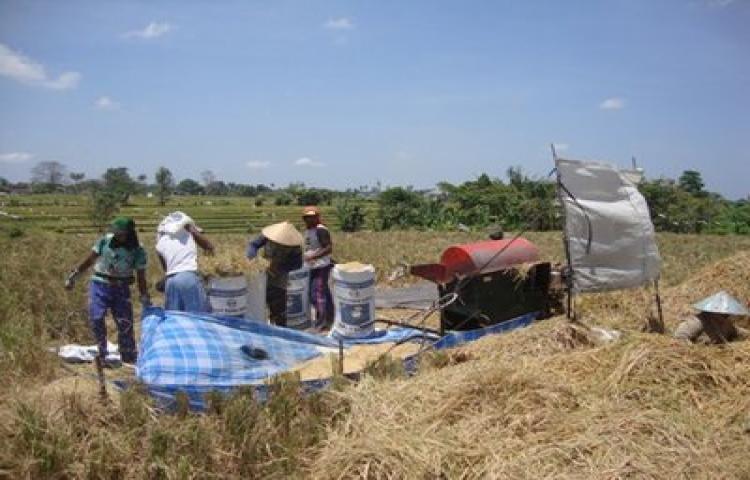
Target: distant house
point(368, 195)
point(434, 194)
point(20, 189)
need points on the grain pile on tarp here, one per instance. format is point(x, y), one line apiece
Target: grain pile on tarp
point(538, 403)
point(356, 359)
point(196, 354)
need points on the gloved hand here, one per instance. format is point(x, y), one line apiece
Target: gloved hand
point(145, 301)
point(70, 280)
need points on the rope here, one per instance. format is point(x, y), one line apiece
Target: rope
point(585, 215)
point(439, 304)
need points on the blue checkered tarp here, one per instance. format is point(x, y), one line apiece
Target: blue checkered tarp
point(453, 339)
point(196, 354)
point(179, 349)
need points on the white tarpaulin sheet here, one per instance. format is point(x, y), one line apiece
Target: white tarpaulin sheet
point(610, 236)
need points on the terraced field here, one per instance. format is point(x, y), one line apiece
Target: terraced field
point(69, 213)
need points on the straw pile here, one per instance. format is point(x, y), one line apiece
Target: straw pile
point(731, 274)
point(547, 403)
point(78, 383)
point(60, 394)
point(630, 308)
point(230, 262)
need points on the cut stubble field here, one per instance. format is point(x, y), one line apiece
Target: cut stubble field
point(536, 403)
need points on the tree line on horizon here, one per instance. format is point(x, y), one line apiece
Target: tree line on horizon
point(516, 202)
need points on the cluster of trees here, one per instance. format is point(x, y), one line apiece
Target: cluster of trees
point(54, 177)
point(117, 185)
point(210, 185)
point(116, 188)
point(681, 206)
point(519, 201)
point(684, 206)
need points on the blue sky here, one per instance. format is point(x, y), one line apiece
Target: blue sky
point(347, 93)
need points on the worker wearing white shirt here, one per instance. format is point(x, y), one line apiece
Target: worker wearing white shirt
point(177, 247)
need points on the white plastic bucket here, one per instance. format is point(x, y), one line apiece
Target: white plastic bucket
point(228, 296)
point(256, 297)
point(298, 299)
point(354, 300)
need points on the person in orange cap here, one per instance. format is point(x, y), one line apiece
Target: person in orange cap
point(318, 249)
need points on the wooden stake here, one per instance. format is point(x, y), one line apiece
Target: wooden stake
point(656, 325)
point(99, 362)
point(341, 356)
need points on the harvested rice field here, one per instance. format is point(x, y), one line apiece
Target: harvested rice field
point(547, 401)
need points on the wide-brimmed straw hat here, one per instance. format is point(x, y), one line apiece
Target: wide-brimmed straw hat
point(283, 233)
point(721, 302)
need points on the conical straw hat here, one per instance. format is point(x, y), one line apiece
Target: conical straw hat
point(721, 302)
point(283, 233)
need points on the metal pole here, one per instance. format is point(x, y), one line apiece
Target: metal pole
point(441, 292)
point(395, 323)
point(658, 306)
point(99, 362)
point(569, 308)
point(568, 270)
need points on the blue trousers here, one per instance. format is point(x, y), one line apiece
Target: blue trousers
point(115, 298)
point(184, 292)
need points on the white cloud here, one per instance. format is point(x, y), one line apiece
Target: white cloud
point(25, 70)
point(614, 103)
point(404, 155)
point(65, 81)
point(15, 157)
point(106, 103)
point(719, 3)
point(342, 23)
point(308, 162)
point(152, 30)
point(257, 165)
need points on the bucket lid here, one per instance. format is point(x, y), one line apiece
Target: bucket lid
point(284, 233)
point(721, 302)
point(354, 267)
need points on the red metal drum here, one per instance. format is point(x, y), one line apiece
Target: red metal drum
point(483, 257)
